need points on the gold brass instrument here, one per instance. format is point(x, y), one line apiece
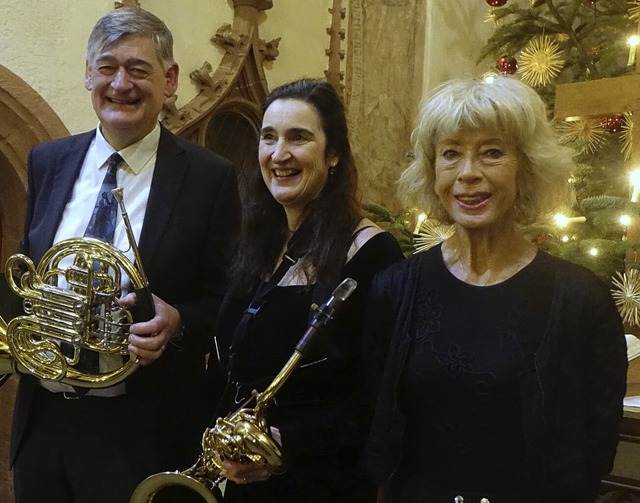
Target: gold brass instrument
point(244, 434)
point(70, 305)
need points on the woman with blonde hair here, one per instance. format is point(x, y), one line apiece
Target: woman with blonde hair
point(500, 368)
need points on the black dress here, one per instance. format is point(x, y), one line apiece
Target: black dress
point(512, 392)
point(319, 410)
point(458, 389)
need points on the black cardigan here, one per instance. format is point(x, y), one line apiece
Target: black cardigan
point(572, 392)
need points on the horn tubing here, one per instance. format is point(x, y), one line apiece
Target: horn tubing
point(118, 194)
point(33, 286)
point(144, 309)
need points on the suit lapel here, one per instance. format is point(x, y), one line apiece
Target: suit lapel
point(170, 171)
point(67, 168)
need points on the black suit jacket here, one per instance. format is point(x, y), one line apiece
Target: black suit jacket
point(190, 219)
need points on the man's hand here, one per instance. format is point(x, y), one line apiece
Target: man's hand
point(148, 339)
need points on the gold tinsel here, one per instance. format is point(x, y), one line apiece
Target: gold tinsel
point(585, 135)
point(431, 234)
point(634, 11)
point(627, 296)
point(540, 61)
point(490, 18)
point(626, 137)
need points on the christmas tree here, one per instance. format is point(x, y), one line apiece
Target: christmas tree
point(553, 42)
point(550, 45)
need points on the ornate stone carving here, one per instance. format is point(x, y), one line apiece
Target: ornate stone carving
point(336, 55)
point(126, 3)
point(228, 39)
point(202, 75)
point(269, 50)
point(237, 84)
point(355, 79)
point(169, 109)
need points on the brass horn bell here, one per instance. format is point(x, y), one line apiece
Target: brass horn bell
point(70, 305)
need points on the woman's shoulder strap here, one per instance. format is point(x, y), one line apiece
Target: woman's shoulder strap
point(364, 231)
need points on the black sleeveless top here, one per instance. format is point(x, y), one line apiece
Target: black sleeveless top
point(319, 410)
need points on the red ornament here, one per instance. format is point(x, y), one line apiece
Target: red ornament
point(507, 65)
point(612, 123)
point(496, 3)
point(541, 238)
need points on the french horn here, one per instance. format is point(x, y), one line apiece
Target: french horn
point(245, 434)
point(70, 306)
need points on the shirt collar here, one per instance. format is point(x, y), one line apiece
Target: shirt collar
point(136, 156)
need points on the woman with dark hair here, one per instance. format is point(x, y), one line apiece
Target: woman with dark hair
point(500, 369)
point(302, 233)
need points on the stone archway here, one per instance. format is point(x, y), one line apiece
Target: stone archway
point(26, 121)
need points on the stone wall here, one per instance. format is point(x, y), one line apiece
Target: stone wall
point(7, 394)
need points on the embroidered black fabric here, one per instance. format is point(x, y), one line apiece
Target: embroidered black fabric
point(466, 349)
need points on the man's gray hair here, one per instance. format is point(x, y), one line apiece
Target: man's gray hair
point(131, 21)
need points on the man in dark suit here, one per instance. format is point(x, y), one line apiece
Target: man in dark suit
point(182, 201)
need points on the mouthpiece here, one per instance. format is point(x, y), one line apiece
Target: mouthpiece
point(117, 193)
point(345, 289)
point(341, 293)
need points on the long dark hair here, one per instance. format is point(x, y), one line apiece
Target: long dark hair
point(328, 221)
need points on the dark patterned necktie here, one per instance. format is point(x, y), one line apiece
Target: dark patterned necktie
point(101, 226)
point(103, 219)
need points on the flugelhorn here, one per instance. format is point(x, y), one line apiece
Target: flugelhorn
point(245, 434)
point(70, 305)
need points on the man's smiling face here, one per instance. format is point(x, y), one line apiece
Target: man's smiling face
point(128, 85)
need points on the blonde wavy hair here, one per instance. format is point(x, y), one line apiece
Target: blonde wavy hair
point(516, 112)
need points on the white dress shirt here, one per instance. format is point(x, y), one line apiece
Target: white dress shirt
point(134, 176)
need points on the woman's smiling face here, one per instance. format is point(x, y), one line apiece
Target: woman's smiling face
point(476, 177)
point(292, 154)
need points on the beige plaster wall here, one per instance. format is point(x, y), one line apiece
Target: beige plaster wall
point(455, 32)
point(44, 43)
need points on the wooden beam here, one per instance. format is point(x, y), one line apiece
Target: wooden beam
point(598, 97)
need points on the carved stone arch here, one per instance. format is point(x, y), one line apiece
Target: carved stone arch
point(230, 99)
point(232, 131)
point(27, 120)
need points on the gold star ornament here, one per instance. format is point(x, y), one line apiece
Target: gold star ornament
point(431, 234)
point(627, 296)
point(585, 135)
point(540, 61)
